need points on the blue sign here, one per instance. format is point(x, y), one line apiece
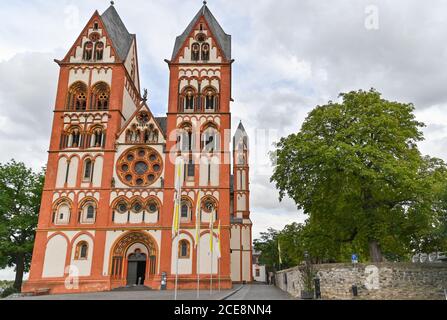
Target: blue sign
point(354, 258)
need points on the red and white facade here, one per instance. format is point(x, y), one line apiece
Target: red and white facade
point(108, 202)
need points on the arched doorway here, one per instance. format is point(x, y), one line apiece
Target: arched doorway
point(136, 268)
point(134, 259)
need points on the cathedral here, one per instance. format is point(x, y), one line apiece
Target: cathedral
point(108, 203)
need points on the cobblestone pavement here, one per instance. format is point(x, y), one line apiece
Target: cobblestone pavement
point(136, 295)
point(260, 292)
point(247, 292)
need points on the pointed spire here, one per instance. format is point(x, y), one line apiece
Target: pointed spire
point(223, 39)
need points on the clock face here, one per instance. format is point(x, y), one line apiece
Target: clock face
point(140, 167)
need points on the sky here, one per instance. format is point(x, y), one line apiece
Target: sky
point(290, 56)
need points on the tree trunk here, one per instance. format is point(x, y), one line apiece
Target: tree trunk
point(20, 267)
point(375, 252)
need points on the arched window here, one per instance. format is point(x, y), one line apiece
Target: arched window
point(88, 212)
point(97, 137)
point(62, 213)
point(72, 138)
point(152, 206)
point(195, 52)
point(185, 210)
point(183, 249)
point(185, 138)
point(210, 140)
point(189, 101)
point(77, 97)
point(88, 169)
point(205, 52)
point(100, 96)
point(137, 207)
point(88, 51)
point(81, 252)
point(99, 50)
point(210, 100)
point(209, 206)
point(121, 207)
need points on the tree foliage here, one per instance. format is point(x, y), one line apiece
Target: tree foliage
point(356, 170)
point(20, 196)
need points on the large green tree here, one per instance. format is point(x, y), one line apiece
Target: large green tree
point(20, 196)
point(356, 170)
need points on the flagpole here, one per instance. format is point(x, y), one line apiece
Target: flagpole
point(219, 272)
point(198, 269)
point(212, 258)
point(176, 266)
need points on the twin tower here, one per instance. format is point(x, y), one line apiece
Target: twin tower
point(107, 206)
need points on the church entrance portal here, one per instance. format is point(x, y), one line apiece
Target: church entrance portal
point(136, 269)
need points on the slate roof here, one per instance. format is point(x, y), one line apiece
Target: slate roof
point(163, 123)
point(240, 134)
point(222, 38)
point(121, 38)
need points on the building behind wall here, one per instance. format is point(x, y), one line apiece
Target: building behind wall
point(108, 201)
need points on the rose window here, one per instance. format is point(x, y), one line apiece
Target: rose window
point(140, 167)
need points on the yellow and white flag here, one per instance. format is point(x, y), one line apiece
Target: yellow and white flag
point(219, 253)
point(178, 196)
point(212, 231)
point(198, 217)
point(279, 253)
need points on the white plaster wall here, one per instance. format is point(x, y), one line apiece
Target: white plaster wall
point(83, 266)
point(184, 265)
point(241, 202)
point(102, 75)
point(205, 255)
point(97, 172)
point(244, 180)
point(61, 172)
point(128, 105)
point(73, 172)
point(203, 171)
point(215, 171)
point(246, 244)
point(55, 254)
point(79, 75)
point(246, 265)
point(235, 241)
point(236, 266)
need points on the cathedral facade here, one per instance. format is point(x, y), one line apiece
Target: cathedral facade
point(107, 207)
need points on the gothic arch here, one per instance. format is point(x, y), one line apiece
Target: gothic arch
point(118, 257)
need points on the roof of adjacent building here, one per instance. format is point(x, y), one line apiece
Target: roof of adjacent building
point(163, 123)
point(120, 37)
point(223, 39)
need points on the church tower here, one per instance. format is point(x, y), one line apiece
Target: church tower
point(241, 230)
point(108, 202)
point(199, 121)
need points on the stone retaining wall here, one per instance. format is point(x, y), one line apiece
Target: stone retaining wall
point(395, 281)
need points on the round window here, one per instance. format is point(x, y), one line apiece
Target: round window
point(137, 207)
point(122, 207)
point(152, 207)
point(140, 167)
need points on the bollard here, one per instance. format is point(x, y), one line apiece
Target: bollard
point(317, 288)
point(355, 291)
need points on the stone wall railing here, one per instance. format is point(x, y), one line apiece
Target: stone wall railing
point(395, 281)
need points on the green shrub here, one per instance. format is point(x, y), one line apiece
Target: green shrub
point(9, 291)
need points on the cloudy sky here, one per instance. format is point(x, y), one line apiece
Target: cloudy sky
point(290, 56)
